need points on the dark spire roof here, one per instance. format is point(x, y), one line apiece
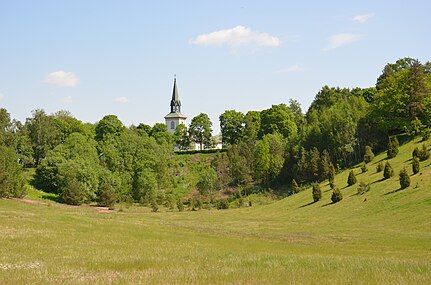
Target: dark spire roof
point(175, 103)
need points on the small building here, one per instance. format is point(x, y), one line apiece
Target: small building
point(174, 118)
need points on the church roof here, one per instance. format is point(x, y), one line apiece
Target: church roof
point(175, 96)
point(175, 115)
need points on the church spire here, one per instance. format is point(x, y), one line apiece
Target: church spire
point(175, 102)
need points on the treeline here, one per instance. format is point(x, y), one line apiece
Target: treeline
point(281, 147)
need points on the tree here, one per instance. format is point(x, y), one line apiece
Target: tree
point(252, 122)
point(388, 172)
point(109, 125)
point(379, 167)
point(404, 178)
point(11, 179)
point(351, 180)
point(325, 165)
point(200, 130)
point(369, 155)
point(295, 187)
point(278, 118)
point(208, 182)
point(393, 145)
point(424, 153)
point(337, 196)
point(161, 134)
point(181, 137)
point(231, 127)
point(363, 188)
point(415, 165)
point(331, 174)
point(317, 193)
point(313, 163)
point(263, 160)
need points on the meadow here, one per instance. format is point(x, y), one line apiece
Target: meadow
point(381, 237)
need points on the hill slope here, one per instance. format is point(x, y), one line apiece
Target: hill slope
point(383, 240)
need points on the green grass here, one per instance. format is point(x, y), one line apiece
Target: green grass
point(383, 240)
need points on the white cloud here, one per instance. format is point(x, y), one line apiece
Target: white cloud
point(67, 100)
point(362, 18)
point(235, 38)
point(122, 100)
point(1, 96)
point(340, 40)
point(292, 69)
point(61, 78)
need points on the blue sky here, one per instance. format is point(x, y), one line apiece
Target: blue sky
point(95, 58)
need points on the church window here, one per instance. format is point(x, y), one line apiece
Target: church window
point(172, 125)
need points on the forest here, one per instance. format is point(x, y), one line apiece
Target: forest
point(277, 150)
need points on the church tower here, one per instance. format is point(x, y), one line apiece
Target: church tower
point(174, 118)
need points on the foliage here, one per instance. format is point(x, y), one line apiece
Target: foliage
point(388, 171)
point(278, 119)
point(200, 130)
point(369, 155)
point(223, 204)
point(252, 123)
point(415, 165)
point(108, 126)
point(295, 187)
point(416, 152)
point(379, 167)
point(424, 153)
point(231, 127)
point(317, 192)
point(181, 137)
point(364, 168)
point(363, 188)
point(404, 178)
point(393, 145)
point(180, 205)
point(337, 196)
point(11, 179)
point(208, 182)
point(263, 160)
point(351, 180)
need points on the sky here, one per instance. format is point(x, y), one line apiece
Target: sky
point(95, 58)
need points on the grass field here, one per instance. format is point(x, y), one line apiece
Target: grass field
point(382, 237)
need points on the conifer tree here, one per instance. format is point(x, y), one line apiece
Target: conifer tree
point(404, 178)
point(331, 173)
point(393, 147)
point(369, 155)
point(416, 152)
point(415, 165)
point(379, 167)
point(388, 172)
point(295, 186)
point(424, 153)
point(351, 179)
point(317, 193)
point(336, 195)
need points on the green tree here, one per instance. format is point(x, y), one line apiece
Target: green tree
point(369, 155)
point(363, 188)
point(295, 186)
point(424, 153)
point(393, 145)
point(404, 178)
point(415, 165)
point(182, 138)
point(11, 179)
point(388, 172)
point(351, 180)
point(200, 130)
point(161, 134)
point(252, 122)
point(231, 127)
point(208, 182)
point(379, 167)
point(317, 192)
point(263, 160)
point(277, 149)
point(109, 125)
point(278, 118)
point(337, 196)
point(325, 165)
point(313, 163)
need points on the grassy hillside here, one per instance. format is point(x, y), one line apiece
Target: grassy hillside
point(382, 237)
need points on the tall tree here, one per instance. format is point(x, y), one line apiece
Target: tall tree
point(252, 123)
point(278, 118)
point(200, 130)
point(231, 127)
point(181, 137)
point(109, 125)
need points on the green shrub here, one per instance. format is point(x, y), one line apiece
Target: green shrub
point(180, 205)
point(393, 147)
point(404, 178)
point(351, 180)
point(154, 206)
point(317, 193)
point(11, 179)
point(388, 172)
point(369, 155)
point(337, 196)
point(379, 167)
point(223, 204)
point(363, 188)
point(416, 152)
point(424, 153)
point(364, 168)
point(415, 165)
point(295, 186)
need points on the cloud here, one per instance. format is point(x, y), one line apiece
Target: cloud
point(362, 18)
point(340, 40)
point(1, 96)
point(122, 100)
point(61, 78)
point(67, 100)
point(292, 69)
point(235, 38)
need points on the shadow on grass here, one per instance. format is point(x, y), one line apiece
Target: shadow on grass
point(380, 180)
point(306, 205)
point(330, 203)
point(51, 198)
point(394, 191)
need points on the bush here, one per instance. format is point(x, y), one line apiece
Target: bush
point(295, 186)
point(369, 155)
point(363, 188)
point(11, 179)
point(351, 180)
point(331, 173)
point(364, 168)
point(180, 205)
point(404, 178)
point(154, 206)
point(317, 193)
point(393, 147)
point(388, 172)
point(336, 195)
point(424, 153)
point(416, 152)
point(425, 135)
point(223, 204)
point(415, 165)
point(379, 167)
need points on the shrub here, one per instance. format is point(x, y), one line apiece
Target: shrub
point(11, 179)
point(363, 188)
point(223, 204)
point(415, 165)
point(332, 184)
point(180, 205)
point(416, 152)
point(425, 135)
point(331, 173)
point(424, 153)
point(369, 155)
point(154, 206)
point(364, 168)
point(351, 180)
point(379, 167)
point(336, 195)
point(404, 178)
point(393, 147)
point(317, 193)
point(388, 172)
